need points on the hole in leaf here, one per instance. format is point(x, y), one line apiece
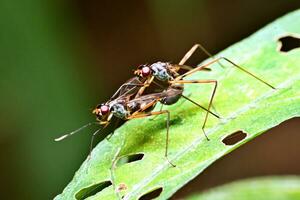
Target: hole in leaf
point(92, 190)
point(289, 43)
point(234, 138)
point(129, 158)
point(151, 195)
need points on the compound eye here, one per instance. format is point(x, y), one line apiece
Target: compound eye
point(104, 109)
point(146, 71)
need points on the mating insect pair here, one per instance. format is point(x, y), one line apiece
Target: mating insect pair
point(130, 102)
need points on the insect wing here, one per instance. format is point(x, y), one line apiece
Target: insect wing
point(130, 87)
point(139, 103)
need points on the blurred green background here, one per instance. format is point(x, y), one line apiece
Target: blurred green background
point(60, 58)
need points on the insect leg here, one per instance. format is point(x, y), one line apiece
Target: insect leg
point(200, 106)
point(199, 68)
point(192, 51)
point(215, 82)
point(145, 85)
point(115, 127)
point(93, 136)
point(188, 68)
point(246, 71)
point(161, 107)
point(167, 124)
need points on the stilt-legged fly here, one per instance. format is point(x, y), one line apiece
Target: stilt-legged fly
point(130, 90)
point(167, 72)
point(130, 102)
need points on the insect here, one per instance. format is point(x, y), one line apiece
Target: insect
point(131, 89)
point(130, 102)
point(126, 90)
point(141, 107)
point(124, 105)
point(167, 72)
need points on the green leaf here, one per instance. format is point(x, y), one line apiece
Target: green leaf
point(267, 188)
point(244, 103)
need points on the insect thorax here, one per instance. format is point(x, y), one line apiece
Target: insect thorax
point(119, 111)
point(160, 71)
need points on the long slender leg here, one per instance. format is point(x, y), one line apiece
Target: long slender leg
point(115, 126)
point(200, 106)
point(188, 68)
point(192, 51)
point(93, 136)
point(246, 71)
point(146, 84)
point(188, 100)
point(199, 68)
point(92, 141)
point(216, 60)
point(215, 82)
point(161, 107)
point(167, 124)
point(188, 54)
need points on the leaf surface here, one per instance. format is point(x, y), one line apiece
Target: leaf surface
point(244, 104)
point(267, 188)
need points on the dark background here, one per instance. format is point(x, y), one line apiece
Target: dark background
point(59, 58)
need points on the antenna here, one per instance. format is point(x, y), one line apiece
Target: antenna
point(73, 132)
